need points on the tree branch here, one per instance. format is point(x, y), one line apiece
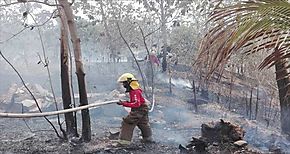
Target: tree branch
point(139, 68)
point(32, 131)
point(152, 32)
point(49, 77)
point(50, 17)
point(28, 1)
point(30, 27)
point(37, 104)
point(14, 35)
point(151, 66)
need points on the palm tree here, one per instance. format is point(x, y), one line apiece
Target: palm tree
point(249, 27)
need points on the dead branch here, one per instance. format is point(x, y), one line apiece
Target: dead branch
point(14, 35)
point(32, 131)
point(151, 66)
point(37, 104)
point(152, 32)
point(28, 1)
point(139, 68)
point(29, 27)
point(50, 17)
point(49, 77)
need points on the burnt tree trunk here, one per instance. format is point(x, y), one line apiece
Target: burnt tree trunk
point(282, 83)
point(247, 105)
point(65, 83)
point(231, 89)
point(257, 104)
point(268, 115)
point(86, 124)
point(250, 103)
point(194, 96)
point(170, 79)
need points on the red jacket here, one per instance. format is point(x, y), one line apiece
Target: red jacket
point(154, 59)
point(136, 99)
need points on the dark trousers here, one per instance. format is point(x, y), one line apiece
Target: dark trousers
point(137, 117)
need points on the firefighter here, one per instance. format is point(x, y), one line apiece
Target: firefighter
point(138, 115)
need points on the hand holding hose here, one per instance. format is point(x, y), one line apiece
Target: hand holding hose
point(120, 102)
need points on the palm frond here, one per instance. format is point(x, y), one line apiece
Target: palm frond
point(261, 25)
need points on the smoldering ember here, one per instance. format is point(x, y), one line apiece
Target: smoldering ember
point(144, 76)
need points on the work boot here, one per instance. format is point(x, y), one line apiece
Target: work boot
point(124, 142)
point(147, 139)
point(120, 143)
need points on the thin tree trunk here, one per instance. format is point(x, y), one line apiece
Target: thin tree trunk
point(65, 83)
point(247, 105)
point(151, 65)
point(163, 35)
point(283, 98)
point(112, 47)
point(194, 96)
point(250, 103)
point(139, 68)
point(170, 80)
point(33, 97)
point(219, 94)
point(257, 104)
point(270, 107)
point(86, 124)
point(231, 89)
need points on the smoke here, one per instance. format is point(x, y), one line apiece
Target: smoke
point(179, 82)
point(173, 122)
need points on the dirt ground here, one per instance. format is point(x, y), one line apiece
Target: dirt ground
point(36, 135)
point(48, 143)
point(16, 137)
point(173, 122)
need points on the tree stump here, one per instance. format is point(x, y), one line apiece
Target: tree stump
point(218, 137)
point(221, 132)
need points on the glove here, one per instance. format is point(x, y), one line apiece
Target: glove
point(120, 102)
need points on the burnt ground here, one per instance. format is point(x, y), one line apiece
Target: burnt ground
point(46, 142)
point(173, 123)
point(36, 136)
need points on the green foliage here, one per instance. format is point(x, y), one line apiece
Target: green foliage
point(248, 26)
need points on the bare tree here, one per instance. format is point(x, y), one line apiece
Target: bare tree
point(70, 120)
point(86, 124)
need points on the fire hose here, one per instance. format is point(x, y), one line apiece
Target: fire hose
point(43, 114)
point(152, 104)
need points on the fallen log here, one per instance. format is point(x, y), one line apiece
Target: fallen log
point(43, 114)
